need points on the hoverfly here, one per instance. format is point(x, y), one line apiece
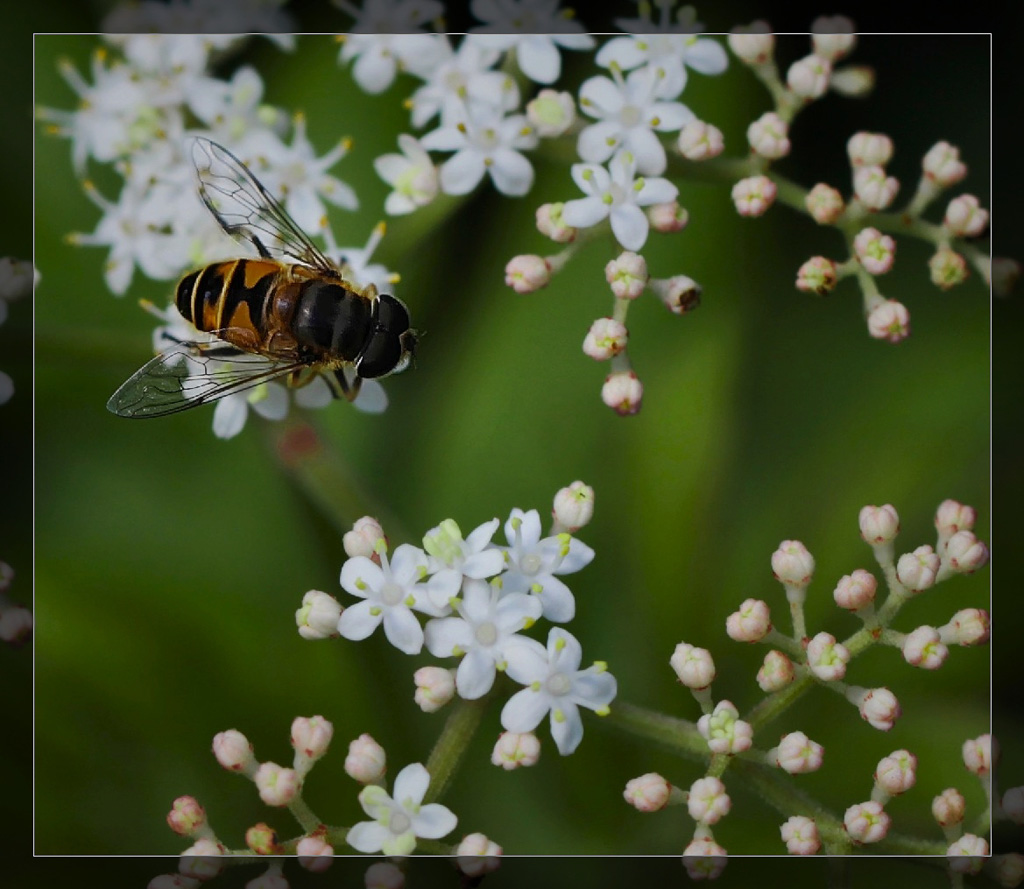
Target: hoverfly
point(288, 313)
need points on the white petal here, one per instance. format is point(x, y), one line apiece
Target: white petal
point(274, 405)
point(671, 116)
point(514, 609)
point(600, 97)
point(557, 600)
point(564, 651)
point(374, 71)
point(372, 399)
point(585, 212)
point(361, 568)
point(445, 633)
point(707, 56)
point(592, 179)
point(475, 675)
point(367, 836)
point(397, 204)
point(433, 821)
point(648, 151)
point(481, 535)
point(629, 225)
point(484, 564)
point(444, 139)
point(476, 601)
point(391, 166)
point(316, 394)
point(511, 173)
point(574, 41)
point(656, 191)
point(406, 562)
point(461, 173)
point(402, 629)
point(527, 661)
point(539, 59)
point(593, 689)
point(622, 50)
point(530, 529)
point(358, 622)
point(229, 416)
point(598, 142)
point(306, 209)
point(524, 711)
point(442, 586)
point(411, 784)
point(337, 192)
point(567, 732)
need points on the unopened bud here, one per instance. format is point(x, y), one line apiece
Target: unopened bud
point(366, 760)
point(574, 507)
point(606, 337)
point(623, 393)
point(869, 149)
point(363, 538)
point(854, 81)
point(752, 44)
point(668, 217)
point(818, 275)
point(627, 275)
point(824, 203)
point(876, 251)
point(318, 616)
point(527, 273)
point(435, 687)
point(680, 294)
point(754, 195)
point(942, 164)
point(513, 751)
point(550, 223)
point(699, 141)
point(947, 268)
point(889, 320)
point(874, 189)
point(832, 36)
point(809, 77)
point(769, 136)
point(965, 217)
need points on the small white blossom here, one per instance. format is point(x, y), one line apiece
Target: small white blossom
point(400, 818)
point(411, 174)
point(473, 556)
point(555, 684)
point(667, 53)
point(615, 194)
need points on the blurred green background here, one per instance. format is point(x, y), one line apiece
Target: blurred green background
point(169, 564)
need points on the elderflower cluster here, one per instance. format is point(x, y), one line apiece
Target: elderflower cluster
point(800, 661)
point(140, 107)
point(471, 598)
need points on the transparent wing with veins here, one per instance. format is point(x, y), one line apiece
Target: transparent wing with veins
point(246, 210)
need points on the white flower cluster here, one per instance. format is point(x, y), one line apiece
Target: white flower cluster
point(479, 107)
point(139, 113)
point(478, 597)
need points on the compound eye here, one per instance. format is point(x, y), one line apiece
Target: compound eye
point(380, 357)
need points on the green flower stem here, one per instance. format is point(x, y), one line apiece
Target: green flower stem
point(322, 475)
point(304, 814)
point(451, 745)
point(770, 707)
point(677, 735)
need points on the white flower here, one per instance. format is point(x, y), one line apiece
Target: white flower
point(618, 197)
point(629, 111)
point(269, 400)
point(464, 75)
point(390, 592)
point(484, 141)
point(484, 631)
point(532, 563)
point(381, 42)
point(231, 109)
point(535, 29)
point(355, 261)
point(400, 818)
point(411, 174)
point(554, 683)
point(472, 556)
point(667, 53)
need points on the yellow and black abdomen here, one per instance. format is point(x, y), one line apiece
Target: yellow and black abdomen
point(233, 299)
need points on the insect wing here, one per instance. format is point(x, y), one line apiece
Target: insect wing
point(246, 210)
point(190, 374)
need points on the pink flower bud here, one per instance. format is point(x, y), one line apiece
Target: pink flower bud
point(668, 217)
point(826, 658)
point(917, 570)
point(817, 275)
point(809, 77)
point(866, 822)
point(942, 164)
point(476, 855)
point(967, 855)
point(978, 755)
point(874, 189)
point(751, 623)
point(923, 648)
point(648, 793)
point(680, 294)
point(233, 751)
point(606, 338)
point(527, 273)
point(186, 816)
point(769, 136)
point(627, 275)
point(551, 223)
point(855, 591)
point(897, 772)
point(573, 507)
point(792, 564)
point(797, 754)
point(889, 320)
point(879, 524)
point(699, 141)
point(708, 801)
point(694, 666)
point(824, 203)
point(953, 516)
point(970, 626)
point(311, 736)
point(948, 807)
point(878, 706)
point(623, 392)
point(318, 616)
point(262, 839)
point(384, 875)
point(278, 786)
point(15, 625)
point(754, 195)
point(832, 36)
point(854, 81)
point(947, 268)
point(366, 761)
point(513, 750)
point(435, 687)
point(869, 149)
point(724, 731)
point(364, 538)
point(704, 859)
point(875, 251)
point(202, 860)
point(800, 834)
point(752, 44)
point(776, 672)
point(965, 218)
point(315, 854)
